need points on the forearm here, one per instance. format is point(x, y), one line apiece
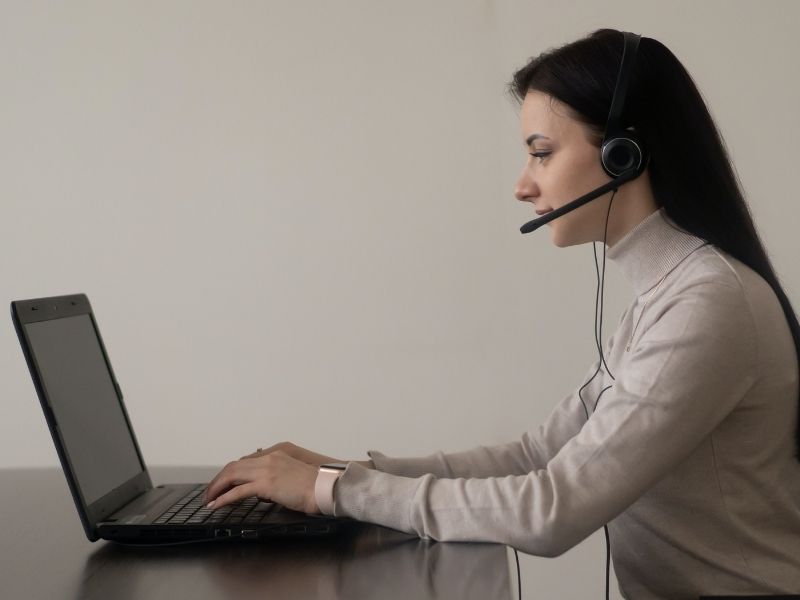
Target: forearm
point(513, 458)
point(523, 511)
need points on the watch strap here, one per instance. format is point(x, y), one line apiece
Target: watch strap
point(327, 476)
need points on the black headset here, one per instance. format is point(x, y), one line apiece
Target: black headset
point(622, 154)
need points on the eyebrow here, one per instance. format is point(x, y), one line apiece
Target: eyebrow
point(533, 137)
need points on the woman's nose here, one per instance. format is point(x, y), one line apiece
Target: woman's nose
point(525, 189)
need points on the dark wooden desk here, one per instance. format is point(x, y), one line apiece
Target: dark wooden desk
point(45, 554)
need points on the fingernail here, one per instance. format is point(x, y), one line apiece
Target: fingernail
point(211, 504)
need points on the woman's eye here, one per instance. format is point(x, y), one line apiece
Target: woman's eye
point(540, 155)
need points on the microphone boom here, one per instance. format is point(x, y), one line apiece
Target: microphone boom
point(577, 203)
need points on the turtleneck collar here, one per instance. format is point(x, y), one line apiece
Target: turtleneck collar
point(652, 249)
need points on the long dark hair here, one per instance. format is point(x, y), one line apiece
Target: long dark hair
point(666, 109)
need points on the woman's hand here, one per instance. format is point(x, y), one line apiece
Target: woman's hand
point(274, 476)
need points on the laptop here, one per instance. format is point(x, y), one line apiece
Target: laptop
point(101, 459)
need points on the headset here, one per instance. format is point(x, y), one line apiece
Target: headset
point(622, 153)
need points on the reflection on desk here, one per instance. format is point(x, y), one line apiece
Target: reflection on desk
point(46, 555)
point(369, 562)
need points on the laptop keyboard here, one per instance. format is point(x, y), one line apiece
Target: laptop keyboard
point(190, 510)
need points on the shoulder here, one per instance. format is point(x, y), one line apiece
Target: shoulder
point(720, 302)
point(711, 272)
point(698, 325)
point(712, 293)
point(709, 264)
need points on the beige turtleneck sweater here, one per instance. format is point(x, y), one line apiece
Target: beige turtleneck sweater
point(688, 457)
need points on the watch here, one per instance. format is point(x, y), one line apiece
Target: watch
point(327, 476)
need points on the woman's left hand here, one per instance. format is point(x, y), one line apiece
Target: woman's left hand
point(274, 477)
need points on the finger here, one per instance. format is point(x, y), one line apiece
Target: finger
point(234, 474)
point(215, 480)
point(210, 485)
point(240, 492)
point(225, 485)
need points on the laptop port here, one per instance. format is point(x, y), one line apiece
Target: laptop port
point(218, 533)
point(249, 534)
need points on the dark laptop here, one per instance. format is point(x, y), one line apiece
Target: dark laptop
point(105, 470)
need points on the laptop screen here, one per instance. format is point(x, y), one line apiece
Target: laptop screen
point(85, 405)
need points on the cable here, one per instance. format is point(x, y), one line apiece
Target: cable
point(599, 340)
point(608, 553)
point(605, 389)
point(586, 412)
point(598, 299)
point(598, 337)
point(599, 332)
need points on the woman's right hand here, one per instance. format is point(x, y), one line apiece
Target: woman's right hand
point(301, 454)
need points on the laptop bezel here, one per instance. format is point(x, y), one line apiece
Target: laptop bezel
point(24, 312)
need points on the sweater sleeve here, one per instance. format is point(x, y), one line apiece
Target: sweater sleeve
point(688, 370)
point(532, 452)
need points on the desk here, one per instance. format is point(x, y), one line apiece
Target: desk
point(45, 554)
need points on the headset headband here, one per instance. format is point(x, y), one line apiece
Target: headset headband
point(621, 89)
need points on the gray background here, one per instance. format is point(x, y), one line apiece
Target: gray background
point(295, 220)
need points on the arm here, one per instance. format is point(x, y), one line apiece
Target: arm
point(688, 371)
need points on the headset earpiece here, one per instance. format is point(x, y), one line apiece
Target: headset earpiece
point(621, 153)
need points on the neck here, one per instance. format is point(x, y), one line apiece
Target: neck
point(633, 203)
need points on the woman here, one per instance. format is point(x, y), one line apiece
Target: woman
point(691, 456)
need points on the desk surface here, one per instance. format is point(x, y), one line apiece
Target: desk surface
point(45, 554)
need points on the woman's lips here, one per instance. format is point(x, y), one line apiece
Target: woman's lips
point(542, 212)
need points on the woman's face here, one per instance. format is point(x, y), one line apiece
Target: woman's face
point(565, 166)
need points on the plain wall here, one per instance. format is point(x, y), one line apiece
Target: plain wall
point(295, 220)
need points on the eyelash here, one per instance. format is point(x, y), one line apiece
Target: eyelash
point(540, 155)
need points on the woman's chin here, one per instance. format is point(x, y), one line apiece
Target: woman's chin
point(558, 239)
point(562, 241)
